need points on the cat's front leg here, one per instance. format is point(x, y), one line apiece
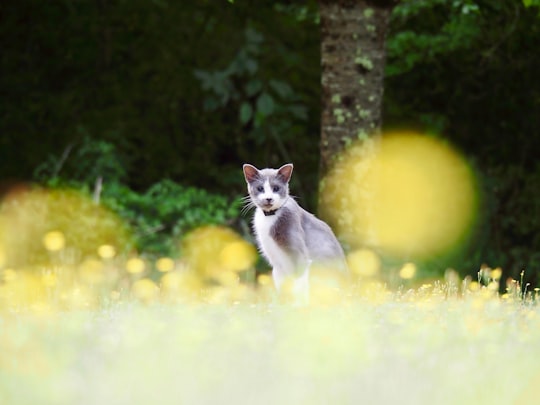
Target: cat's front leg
point(296, 279)
point(301, 285)
point(279, 276)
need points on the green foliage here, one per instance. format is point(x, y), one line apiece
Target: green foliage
point(423, 40)
point(82, 163)
point(157, 217)
point(124, 73)
point(531, 3)
point(161, 215)
point(465, 69)
point(263, 92)
point(268, 108)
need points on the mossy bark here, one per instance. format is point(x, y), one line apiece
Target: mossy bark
point(353, 36)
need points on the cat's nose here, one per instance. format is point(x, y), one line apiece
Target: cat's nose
point(269, 200)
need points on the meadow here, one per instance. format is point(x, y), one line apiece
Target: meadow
point(86, 319)
point(440, 343)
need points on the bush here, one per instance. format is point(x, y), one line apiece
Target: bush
point(156, 217)
point(167, 210)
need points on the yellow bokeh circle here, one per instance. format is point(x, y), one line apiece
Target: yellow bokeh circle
point(135, 265)
point(364, 263)
point(106, 251)
point(217, 252)
point(145, 290)
point(407, 271)
point(165, 264)
point(54, 241)
point(238, 256)
point(406, 194)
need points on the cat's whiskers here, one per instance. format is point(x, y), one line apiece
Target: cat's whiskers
point(247, 205)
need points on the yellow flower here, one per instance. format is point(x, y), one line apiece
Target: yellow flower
point(408, 271)
point(135, 265)
point(211, 250)
point(238, 256)
point(54, 241)
point(364, 262)
point(106, 251)
point(145, 290)
point(165, 264)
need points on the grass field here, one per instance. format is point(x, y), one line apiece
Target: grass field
point(423, 346)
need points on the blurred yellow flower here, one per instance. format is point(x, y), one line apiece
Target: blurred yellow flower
point(165, 264)
point(228, 278)
point(496, 273)
point(176, 284)
point(54, 241)
point(211, 250)
point(264, 280)
point(171, 282)
point(238, 256)
point(37, 221)
point(135, 265)
point(408, 271)
point(408, 195)
point(106, 251)
point(364, 262)
point(145, 290)
point(474, 286)
point(24, 289)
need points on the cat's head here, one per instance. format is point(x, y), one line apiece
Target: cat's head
point(268, 188)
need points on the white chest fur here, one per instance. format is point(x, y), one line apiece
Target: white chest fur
point(279, 259)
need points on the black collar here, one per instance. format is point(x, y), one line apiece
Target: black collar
point(269, 213)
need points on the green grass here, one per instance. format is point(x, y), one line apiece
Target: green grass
point(418, 347)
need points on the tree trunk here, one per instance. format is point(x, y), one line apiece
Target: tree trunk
point(353, 56)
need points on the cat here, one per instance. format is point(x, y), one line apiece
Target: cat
point(289, 237)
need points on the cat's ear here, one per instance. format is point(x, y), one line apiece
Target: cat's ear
point(251, 173)
point(285, 172)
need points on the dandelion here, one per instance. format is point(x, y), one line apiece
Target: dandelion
point(474, 286)
point(238, 256)
point(228, 278)
point(145, 290)
point(106, 251)
point(210, 250)
point(264, 280)
point(408, 271)
point(364, 262)
point(171, 281)
point(54, 241)
point(165, 264)
point(496, 273)
point(135, 265)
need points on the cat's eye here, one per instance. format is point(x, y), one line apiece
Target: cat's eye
point(260, 189)
point(275, 189)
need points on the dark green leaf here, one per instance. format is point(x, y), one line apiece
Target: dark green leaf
point(265, 104)
point(246, 112)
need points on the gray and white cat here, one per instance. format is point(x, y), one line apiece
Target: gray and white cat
point(291, 239)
